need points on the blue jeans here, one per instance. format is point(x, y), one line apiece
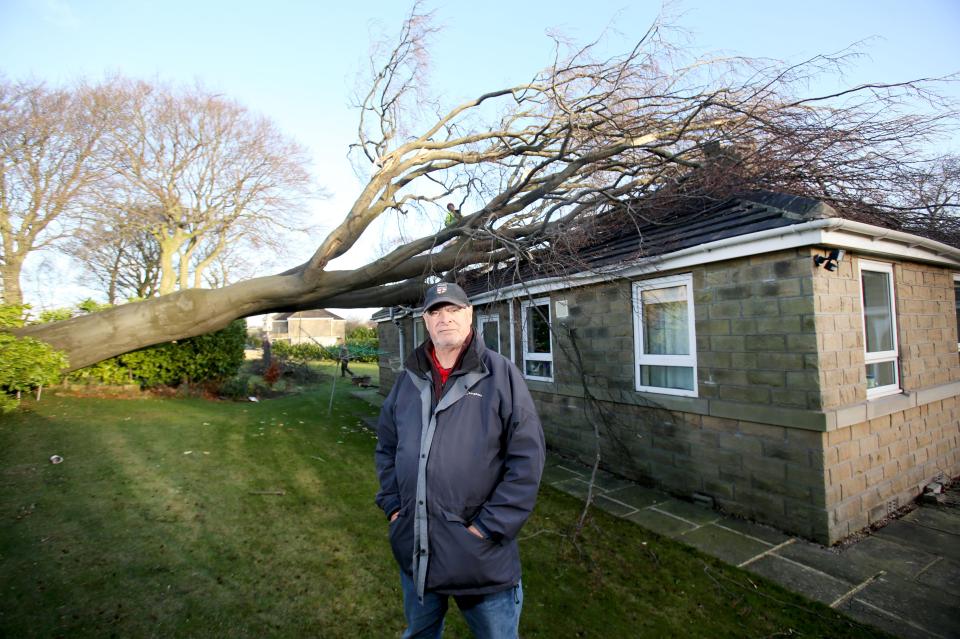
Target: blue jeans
point(493, 616)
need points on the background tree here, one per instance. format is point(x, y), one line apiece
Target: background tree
point(122, 258)
point(199, 173)
point(50, 140)
point(931, 199)
point(528, 166)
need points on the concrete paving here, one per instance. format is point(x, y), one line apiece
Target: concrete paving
point(903, 578)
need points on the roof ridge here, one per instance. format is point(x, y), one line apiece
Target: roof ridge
point(791, 205)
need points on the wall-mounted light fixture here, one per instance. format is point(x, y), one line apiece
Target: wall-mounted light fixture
point(830, 260)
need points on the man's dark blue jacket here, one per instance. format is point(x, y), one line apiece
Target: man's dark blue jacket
point(473, 455)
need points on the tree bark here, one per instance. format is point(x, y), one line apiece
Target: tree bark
point(10, 270)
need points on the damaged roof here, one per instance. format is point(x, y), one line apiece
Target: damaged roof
point(620, 237)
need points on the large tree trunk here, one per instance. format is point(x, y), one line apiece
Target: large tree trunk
point(92, 338)
point(10, 272)
point(168, 249)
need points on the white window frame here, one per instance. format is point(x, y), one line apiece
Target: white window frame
point(417, 337)
point(645, 359)
point(513, 332)
point(536, 357)
point(488, 319)
point(956, 280)
point(880, 357)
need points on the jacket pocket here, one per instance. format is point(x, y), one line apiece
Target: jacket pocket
point(401, 539)
point(461, 561)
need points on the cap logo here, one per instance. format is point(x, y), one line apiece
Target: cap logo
point(441, 289)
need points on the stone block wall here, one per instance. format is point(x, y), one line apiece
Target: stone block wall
point(839, 325)
point(756, 334)
point(876, 465)
point(755, 327)
point(926, 330)
point(760, 471)
point(926, 327)
point(879, 465)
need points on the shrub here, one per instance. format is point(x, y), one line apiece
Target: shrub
point(361, 350)
point(205, 358)
point(364, 349)
point(300, 352)
point(361, 333)
point(272, 374)
point(237, 387)
point(55, 315)
point(25, 363)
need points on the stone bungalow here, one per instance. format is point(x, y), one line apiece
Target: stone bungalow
point(799, 368)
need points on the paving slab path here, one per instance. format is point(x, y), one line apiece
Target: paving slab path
point(903, 578)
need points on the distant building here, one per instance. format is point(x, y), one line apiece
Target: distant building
point(305, 327)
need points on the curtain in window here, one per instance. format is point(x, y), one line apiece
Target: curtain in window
point(666, 331)
point(538, 330)
point(877, 312)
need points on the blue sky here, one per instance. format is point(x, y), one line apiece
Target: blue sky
point(295, 61)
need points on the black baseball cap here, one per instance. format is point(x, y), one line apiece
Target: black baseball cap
point(445, 293)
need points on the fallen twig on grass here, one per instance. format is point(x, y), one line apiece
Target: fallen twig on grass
point(268, 492)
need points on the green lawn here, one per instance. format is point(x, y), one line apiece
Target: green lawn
point(166, 519)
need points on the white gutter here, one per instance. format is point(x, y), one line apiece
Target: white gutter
point(833, 232)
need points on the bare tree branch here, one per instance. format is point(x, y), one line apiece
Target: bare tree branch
point(534, 170)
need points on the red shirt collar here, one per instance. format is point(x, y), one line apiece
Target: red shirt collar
point(444, 373)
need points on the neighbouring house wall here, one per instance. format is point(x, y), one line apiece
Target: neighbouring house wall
point(312, 330)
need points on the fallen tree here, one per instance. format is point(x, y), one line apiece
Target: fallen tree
point(514, 168)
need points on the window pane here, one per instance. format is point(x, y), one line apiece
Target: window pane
point(538, 330)
point(881, 374)
point(680, 377)
point(538, 369)
point(878, 318)
point(665, 325)
point(491, 335)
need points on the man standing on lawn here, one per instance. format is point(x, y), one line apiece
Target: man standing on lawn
point(344, 358)
point(459, 455)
